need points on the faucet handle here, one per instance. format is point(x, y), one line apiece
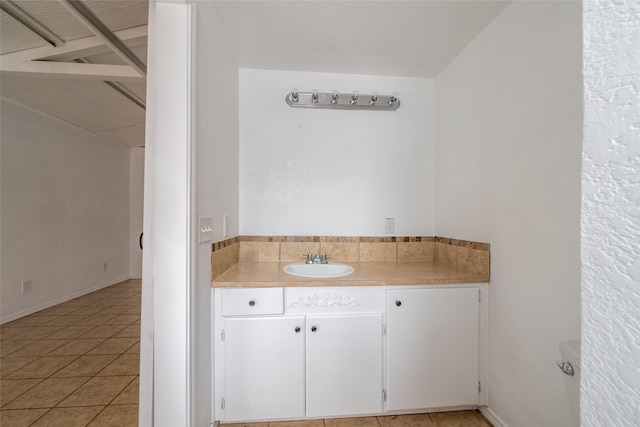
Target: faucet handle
point(309, 259)
point(323, 258)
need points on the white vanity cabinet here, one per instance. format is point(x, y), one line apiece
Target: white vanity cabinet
point(432, 348)
point(319, 355)
point(315, 352)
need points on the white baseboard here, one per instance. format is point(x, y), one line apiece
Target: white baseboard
point(491, 416)
point(61, 300)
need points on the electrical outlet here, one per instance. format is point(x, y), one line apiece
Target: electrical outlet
point(389, 225)
point(26, 286)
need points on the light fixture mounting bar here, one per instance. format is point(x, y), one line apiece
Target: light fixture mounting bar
point(31, 23)
point(342, 101)
point(91, 21)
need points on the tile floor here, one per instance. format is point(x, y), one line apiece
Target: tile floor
point(74, 364)
point(77, 364)
point(436, 419)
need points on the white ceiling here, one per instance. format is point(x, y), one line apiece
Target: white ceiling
point(86, 103)
point(395, 38)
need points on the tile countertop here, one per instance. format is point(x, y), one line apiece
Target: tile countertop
point(270, 274)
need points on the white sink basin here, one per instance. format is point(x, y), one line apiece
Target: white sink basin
point(318, 270)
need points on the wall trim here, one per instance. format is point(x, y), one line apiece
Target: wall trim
point(492, 417)
point(62, 299)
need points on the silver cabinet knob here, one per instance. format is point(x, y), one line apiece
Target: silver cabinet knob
point(398, 303)
point(566, 368)
point(313, 329)
point(297, 329)
point(252, 303)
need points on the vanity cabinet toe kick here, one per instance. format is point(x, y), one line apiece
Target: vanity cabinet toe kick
point(285, 353)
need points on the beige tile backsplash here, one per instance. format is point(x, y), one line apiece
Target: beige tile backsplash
point(466, 255)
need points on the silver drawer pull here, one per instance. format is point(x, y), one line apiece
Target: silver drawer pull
point(252, 303)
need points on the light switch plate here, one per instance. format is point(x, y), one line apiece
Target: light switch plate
point(205, 229)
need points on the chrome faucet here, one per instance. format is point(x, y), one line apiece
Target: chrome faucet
point(316, 259)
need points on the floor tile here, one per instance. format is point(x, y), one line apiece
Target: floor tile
point(104, 302)
point(10, 389)
point(67, 320)
point(7, 332)
point(114, 309)
point(12, 364)
point(352, 422)
point(58, 311)
point(296, 423)
point(104, 331)
point(127, 364)
point(97, 391)
point(37, 333)
point(46, 394)
point(87, 310)
point(414, 420)
point(130, 302)
point(123, 319)
point(130, 331)
point(134, 349)
point(34, 320)
point(9, 346)
point(244, 424)
point(133, 310)
point(71, 332)
point(78, 346)
point(114, 346)
point(459, 419)
point(20, 417)
point(86, 366)
point(44, 367)
point(69, 417)
point(117, 415)
point(128, 396)
point(98, 319)
point(39, 348)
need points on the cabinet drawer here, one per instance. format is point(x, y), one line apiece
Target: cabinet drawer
point(243, 302)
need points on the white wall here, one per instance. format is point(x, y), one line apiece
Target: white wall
point(334, 172)
point(136, 205)
point(216, 132)
point(610, 221)
point(65, 211)
point(509, 122)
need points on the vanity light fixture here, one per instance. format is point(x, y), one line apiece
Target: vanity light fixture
point(344, 101)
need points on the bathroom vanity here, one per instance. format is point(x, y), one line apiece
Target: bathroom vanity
point(390, 338)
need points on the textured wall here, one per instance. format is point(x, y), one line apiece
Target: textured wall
point(509, 141)
point(611, 215)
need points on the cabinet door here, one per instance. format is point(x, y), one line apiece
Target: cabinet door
point(344, 365)
point(264, 368)
point(432, 348)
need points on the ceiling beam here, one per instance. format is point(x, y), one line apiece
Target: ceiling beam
point(31, 23)
point(71, 70)
point(120, 88)
point(78, 48)
point(93, 23)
